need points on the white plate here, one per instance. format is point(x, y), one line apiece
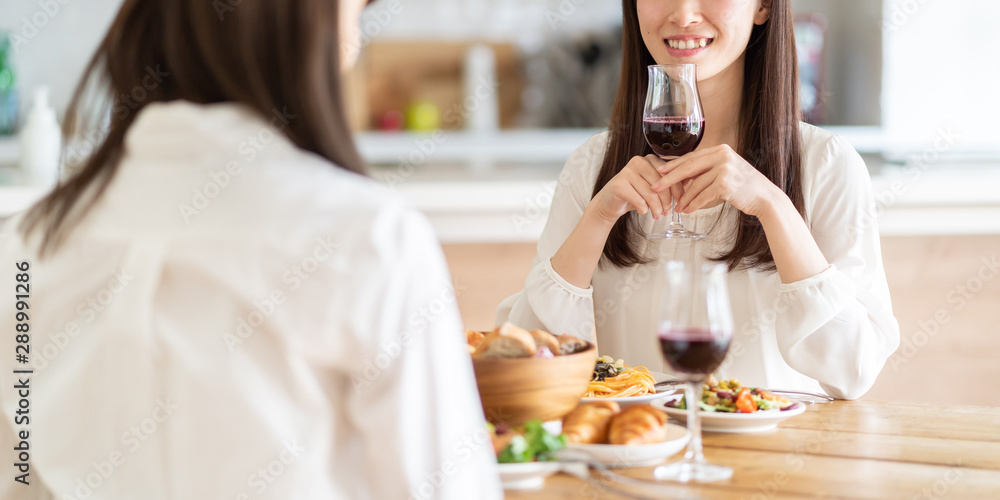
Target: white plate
point(644, 399)
point(758, 421)
point(612, 455)
point(526, 476)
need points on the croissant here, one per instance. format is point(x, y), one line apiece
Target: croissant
point(639, 424)
point(588, 423)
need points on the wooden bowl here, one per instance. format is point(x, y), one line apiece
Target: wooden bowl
point(516, 390)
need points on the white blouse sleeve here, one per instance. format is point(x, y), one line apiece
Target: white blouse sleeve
point(548, 301)
point(413, 397)
point(838, 326)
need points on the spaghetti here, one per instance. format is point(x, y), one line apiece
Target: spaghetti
point(631, 381)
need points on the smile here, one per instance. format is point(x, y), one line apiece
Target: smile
point(693, 43)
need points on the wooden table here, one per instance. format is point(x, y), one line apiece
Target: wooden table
point(845, 449)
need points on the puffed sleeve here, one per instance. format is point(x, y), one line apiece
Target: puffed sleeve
point(548, 301)
point(419, 415)
point(838, 326)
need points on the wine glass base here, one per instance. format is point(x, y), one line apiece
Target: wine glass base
point(688, 470)
point(675, 233)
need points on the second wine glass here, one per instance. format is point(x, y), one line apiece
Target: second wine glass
point(674, 123)
point(695, 329)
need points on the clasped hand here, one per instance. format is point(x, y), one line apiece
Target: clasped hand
point(697, 180)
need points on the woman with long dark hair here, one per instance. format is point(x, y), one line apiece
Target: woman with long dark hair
point(222, 304)
point(786, 205)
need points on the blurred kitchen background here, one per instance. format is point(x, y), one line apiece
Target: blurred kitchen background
point(468, 108)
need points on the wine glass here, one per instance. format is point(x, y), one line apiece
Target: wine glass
point(695, 329)
point(674, 124)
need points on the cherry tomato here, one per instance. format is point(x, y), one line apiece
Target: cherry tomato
point(745, 402)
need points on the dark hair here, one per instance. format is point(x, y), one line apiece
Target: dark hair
point(268, 55)
point(768, 130)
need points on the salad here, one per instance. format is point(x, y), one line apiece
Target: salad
point(530, 443)
point(731, 396)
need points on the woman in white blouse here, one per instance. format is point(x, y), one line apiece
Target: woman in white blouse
point(222, 305)
point(788, 206)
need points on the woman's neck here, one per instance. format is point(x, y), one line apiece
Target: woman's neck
point(721, 97)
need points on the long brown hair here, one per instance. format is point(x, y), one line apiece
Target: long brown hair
point(272, 56)
point(768, 130)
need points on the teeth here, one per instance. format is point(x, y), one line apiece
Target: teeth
point(688, 44)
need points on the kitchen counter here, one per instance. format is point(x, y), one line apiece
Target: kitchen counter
point(511, 204)
point(505, 196)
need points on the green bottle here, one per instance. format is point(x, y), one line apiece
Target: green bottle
point(8, 89)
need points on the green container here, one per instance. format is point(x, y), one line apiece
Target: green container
point(8, 88)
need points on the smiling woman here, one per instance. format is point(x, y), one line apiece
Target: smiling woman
point(781, 202)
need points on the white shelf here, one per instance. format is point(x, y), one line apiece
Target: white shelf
point(9, 151)
point(521, 146)
point(539, 146)
point(945, 201)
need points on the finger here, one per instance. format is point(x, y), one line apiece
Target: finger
point(649, 173)
point(668, 166)
point(657, 163)
point(676, 193)
point(687, 171)
point(632, 197)
point(647, 169)
point(703, 199)
point(652, 199)
point(694, 188)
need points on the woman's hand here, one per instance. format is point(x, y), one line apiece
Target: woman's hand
point(632, 189)
point(718, 174)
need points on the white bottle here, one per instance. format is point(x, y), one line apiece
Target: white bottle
point(41, 142)
point(482, 104)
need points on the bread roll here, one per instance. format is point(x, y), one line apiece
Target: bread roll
point(638, 424)
point(588, 422)
point(473, 338)
point(569, 344)
point(545, 339)
point(507, 341)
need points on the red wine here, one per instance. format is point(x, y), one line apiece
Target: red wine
point(693, 351)
point(673, 136)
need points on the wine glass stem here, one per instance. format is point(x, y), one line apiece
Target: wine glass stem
point(676, 220)
point(692, 394)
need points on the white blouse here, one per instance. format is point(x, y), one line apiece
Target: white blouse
point(237, 318)
point(831, 332)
